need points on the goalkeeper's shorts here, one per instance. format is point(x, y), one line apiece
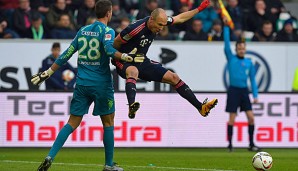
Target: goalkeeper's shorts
point(149, 70)
point(83, 96)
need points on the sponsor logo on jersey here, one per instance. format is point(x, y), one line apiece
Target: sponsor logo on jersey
point(143, 37)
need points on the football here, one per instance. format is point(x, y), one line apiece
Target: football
point(262, 161)
point(67, 75)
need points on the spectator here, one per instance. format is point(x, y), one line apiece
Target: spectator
point(207, 17)
point(237, 33)
point(5, 32)
point(65, 30)
point(258, 16)
point(40, 6)
point(150, 6)
point(186, 26)
point(190, 3)
point(118, 14)
point(129, 5)
point(22, 18)
point(9, 4)
point(86, 11)
point(287, 34)
point(265, 34)
point(56, 81)
point(247, 7)
point(124, 23)
point(54, 13)
point(37, 31)
point(90, 20)
point(160, 3)
point(275, 7)
point(164, 34)
point(235, 12)
point(196, 34)
point(216, 33)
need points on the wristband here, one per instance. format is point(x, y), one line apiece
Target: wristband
point(50, 71)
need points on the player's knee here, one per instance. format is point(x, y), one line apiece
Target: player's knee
point(173, 78)
point(132, 72)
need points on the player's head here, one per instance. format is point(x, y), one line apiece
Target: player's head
point(103, 8)
point(56, 49)
point(240, 48)
point(157, 20)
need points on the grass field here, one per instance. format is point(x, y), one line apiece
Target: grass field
point(145, 159)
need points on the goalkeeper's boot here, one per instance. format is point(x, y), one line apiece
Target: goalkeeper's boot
point(115, 167)
point(133, 108)
point(207, 106)
point(46, 164)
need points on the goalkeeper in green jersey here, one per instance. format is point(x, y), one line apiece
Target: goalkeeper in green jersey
point(94, 44)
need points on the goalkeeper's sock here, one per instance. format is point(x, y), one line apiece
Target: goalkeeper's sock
point(108, 141)
point(60, 140)
point(131, 90)
point(185, 92)
point(251, 129)
point(230, 134)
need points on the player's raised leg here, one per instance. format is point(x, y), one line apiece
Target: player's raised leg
point(131, 90)
point(185, 92)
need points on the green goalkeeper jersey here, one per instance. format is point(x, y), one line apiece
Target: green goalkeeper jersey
point(94, 44)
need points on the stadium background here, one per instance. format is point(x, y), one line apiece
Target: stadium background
point(161, 120)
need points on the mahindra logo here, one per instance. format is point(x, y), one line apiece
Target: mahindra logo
point(263, 72)
point(273, 133)
point(84, 133)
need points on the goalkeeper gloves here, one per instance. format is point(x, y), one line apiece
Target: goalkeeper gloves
point(204, 5)
point(39, 78)
point(133, 56)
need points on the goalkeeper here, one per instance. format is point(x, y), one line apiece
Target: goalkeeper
point(141, 34)
point(94, 44)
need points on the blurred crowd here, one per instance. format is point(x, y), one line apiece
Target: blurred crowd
point(255, 20)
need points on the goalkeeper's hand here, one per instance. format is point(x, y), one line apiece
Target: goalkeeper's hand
point(39, 78)
point(133, 56)
point(204, 5)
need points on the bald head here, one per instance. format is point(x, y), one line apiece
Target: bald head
point(159, 13)
point(158, 20)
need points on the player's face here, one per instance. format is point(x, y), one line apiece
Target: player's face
point(110, 13)
point(241, 49)
point(158, 23)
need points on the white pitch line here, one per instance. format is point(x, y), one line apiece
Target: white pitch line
point(81, 164)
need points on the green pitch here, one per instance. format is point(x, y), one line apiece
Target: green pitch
point(145, 159)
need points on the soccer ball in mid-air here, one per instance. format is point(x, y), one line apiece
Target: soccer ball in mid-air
point(262, 161)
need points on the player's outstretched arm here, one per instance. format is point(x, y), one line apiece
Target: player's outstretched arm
point(181, 18)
